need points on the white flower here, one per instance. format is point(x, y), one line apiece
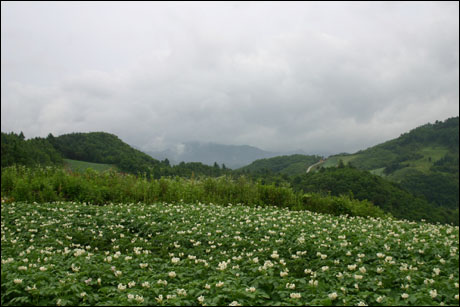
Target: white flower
point(75, 268)
point(284, 273)
point(332, 295)
point(219, 284)
point(159, 299)
point(83, 294)
point(222, 266)
point(164, 282)
point(433, 293)
point(251, 289)
point(131, 284)
point(436, 271)
point(22, 268)
point(172, 274)
point(130, 296)
point(325, 268)
point(17, 281)
point(234, 303)
point(121, 287)
point(146, 284)
point(143, 265)
point(207, 286)
point(200, 299)
point(358, 277)
point(404, 295)
point(296, 295)
point(352, 267)
point(290, 286)
point(175, 260)
point(362, 269)
point(181, 292)
point(139, 298)
point(42, 268)
point(379, 299)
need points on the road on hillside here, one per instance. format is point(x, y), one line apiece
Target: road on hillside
point(320, 161)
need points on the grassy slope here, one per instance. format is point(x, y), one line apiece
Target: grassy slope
point(78, 166)
point(422, 164)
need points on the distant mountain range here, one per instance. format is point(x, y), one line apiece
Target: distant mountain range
point(233, 156)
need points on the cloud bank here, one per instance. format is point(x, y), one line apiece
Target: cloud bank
point(322, 77)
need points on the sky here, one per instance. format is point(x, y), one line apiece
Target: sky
point(318, 76)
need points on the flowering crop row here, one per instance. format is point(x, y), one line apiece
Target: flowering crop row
point(70, 253)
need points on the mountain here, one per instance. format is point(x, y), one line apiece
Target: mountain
point(233, 156)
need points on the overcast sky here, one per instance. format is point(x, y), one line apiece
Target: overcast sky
point(322, 77)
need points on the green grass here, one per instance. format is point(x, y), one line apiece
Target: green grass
point(81, 166)
point(334, 161)
point(430, 154)
point(378, 171)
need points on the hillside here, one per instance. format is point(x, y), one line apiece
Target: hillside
point(362, 185)
point(289, 165)
point(101, 147)
point(424, 161)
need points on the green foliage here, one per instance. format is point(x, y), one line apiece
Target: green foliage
point(180, 254)
point(16, 150)
point(290, 165)
point(438, 188)
point(101, 147)
point(424, 161)
point(341, 205)
point(81, 166)
point(97, 150)
point(384, 194)
point(49, 184)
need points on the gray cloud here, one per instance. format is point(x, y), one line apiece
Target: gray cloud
point(323, 77)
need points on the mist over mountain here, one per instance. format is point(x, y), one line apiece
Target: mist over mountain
point(233, 156)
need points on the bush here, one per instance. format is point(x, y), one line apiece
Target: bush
point(53, 183)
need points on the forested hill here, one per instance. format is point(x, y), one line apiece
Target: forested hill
point(424, 160)
point(287, 165)
point(430, 142)
point(101, 147)
point(17, 150)
point(389, 196)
